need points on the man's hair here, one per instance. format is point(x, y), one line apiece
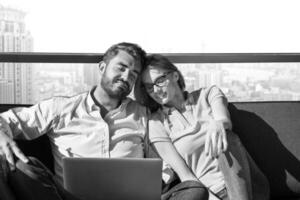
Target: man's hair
point(132, 49)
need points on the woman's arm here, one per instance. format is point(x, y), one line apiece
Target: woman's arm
point(220, 112)
point(161, 141)
point(216, 140)
point(169, 154)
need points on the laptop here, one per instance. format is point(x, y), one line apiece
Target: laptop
point(113, 178)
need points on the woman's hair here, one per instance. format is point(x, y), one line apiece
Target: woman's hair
point(155, 61)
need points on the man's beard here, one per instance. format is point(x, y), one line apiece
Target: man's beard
point(118, 93)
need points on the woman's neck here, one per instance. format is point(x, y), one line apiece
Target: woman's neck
point(177, 101)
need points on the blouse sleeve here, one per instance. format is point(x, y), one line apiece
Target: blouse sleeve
point(214, 93)
point(157, 131)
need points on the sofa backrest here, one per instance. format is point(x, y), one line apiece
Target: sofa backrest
point(270, 132)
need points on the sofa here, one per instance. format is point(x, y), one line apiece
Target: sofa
point(270, 132)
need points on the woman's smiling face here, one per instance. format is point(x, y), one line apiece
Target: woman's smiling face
point(159, 84)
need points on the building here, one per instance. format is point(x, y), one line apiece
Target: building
point(15, 78)
point(91, 74)
point(57, 80)
point(210, 77)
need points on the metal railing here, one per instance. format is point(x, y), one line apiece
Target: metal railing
point(30, 57)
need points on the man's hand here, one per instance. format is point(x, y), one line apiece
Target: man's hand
point(216, 139)
point(9, 148)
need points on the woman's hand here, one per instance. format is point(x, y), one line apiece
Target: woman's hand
point(216, 139)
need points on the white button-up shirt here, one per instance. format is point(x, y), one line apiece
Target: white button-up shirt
point(76, 128)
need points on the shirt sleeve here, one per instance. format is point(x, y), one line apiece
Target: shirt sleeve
point(157, 131)
point(29, 122)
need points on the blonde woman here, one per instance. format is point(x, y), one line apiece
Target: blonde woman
point(192, 133)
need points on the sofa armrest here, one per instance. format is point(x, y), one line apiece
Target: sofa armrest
point(39, 148)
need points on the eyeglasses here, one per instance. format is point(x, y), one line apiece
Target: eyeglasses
point(159, 82)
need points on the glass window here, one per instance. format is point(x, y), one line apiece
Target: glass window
point(247, 81)
point(28, 83)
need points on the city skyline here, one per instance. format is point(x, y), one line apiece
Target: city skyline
point(15, 78)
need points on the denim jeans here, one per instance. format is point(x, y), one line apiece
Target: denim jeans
point(223, 194)
point(30, 181)
point(243, 179)
point(187, 190)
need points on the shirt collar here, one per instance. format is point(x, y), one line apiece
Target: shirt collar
point(91, 105)
point(167, 110)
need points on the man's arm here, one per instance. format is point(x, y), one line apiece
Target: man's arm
point(24, 123)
